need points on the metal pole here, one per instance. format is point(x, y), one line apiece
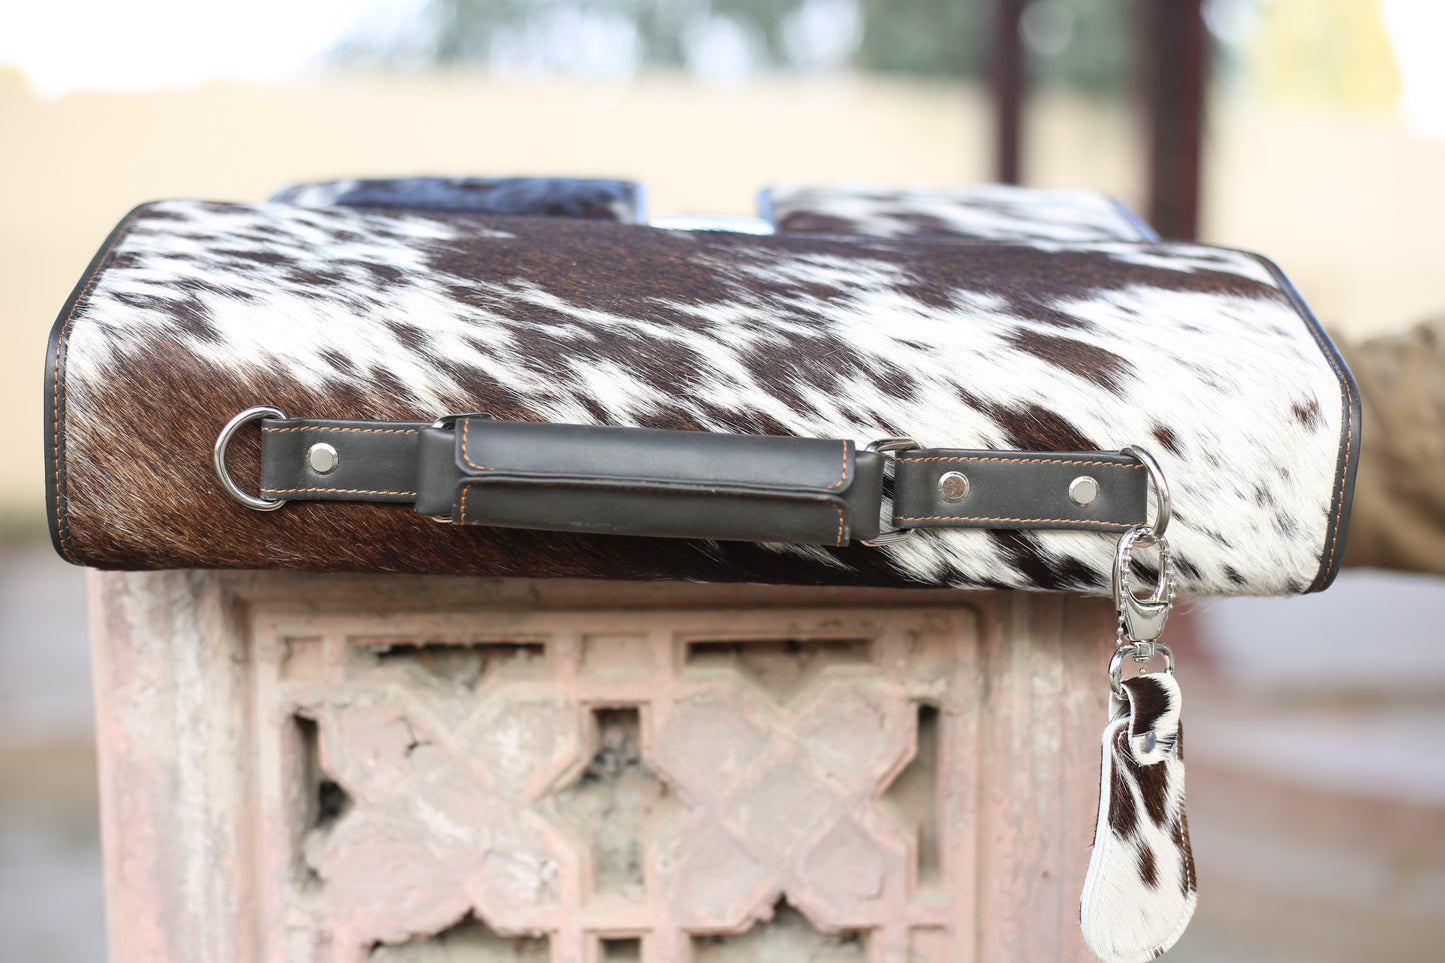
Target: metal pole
point(1006, 72)
point(1175, 69)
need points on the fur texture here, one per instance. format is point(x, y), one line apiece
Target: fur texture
point(991, 212)
point(591, 198)
point(204, 309)
point(1140, 891)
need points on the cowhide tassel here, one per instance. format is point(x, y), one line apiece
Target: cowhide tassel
point(1140, 892)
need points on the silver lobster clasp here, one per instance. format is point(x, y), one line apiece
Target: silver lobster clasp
point(1141, 620)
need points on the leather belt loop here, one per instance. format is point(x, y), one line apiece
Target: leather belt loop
point(324, 459)
point(1066, 491)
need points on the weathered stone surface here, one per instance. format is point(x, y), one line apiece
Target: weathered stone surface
point(436, 771)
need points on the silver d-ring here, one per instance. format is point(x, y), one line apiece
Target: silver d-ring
point(1116, 668)
point(223, 441)
point(1116, 664)
point(898, 534)
point(1162, 512)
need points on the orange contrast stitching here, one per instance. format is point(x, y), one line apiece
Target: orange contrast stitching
point(1344, 475)
point(462, 507)
point(1293, 297)
point(381, 431)
point(346, 491)
point(1041, 461)
point(991, 518)
point(466, 431)
point(844, 476)
point(638, 488)
point(101, 265)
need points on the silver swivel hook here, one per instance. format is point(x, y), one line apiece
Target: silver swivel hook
point(1142, 618)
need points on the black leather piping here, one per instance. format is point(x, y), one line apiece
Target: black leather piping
point(1147, 234)
point(1347, 462)
point(58, 521)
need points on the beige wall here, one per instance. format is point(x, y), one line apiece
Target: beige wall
point(1350, 207)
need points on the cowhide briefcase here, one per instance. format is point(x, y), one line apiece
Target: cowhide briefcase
point(577, 395)
point(987, 388)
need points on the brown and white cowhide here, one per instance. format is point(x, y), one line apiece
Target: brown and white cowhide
point(987, 212)
point(1140, 891)
point(198, 310)
point(597, 199)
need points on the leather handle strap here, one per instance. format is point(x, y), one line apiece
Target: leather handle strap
point(688, 484)
point(637, 481)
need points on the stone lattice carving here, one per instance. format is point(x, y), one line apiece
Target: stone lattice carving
point(581, 787)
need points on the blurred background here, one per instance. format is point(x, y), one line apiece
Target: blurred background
point(1317, 775)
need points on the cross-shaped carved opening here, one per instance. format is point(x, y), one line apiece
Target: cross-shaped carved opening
point(626, 949)
point(779, 667)
point(787, 936)
point(613, 803)
point(459, 666)
point(323, 800)
point(913, 797)
point(467, 939)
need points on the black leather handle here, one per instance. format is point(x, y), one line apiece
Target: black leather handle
point(689, 484)
point(639, 481)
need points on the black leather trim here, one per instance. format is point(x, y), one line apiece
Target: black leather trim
point(1332, 552)
point(376, 461)
point(1019, 490)
point(1147, 234)
point(57, 514)
point(437, 474)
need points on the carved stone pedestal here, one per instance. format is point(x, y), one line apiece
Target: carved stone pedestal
point(345, 769)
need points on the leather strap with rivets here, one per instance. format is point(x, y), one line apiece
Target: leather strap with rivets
point(471, 469)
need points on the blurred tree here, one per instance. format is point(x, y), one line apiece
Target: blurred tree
point(1325, 51)
point(1087, 44)
point(1079, 43)
point(928, 37)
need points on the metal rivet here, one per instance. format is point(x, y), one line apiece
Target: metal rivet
point(953, 486)
point(323, 458)
point(1083, 491)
